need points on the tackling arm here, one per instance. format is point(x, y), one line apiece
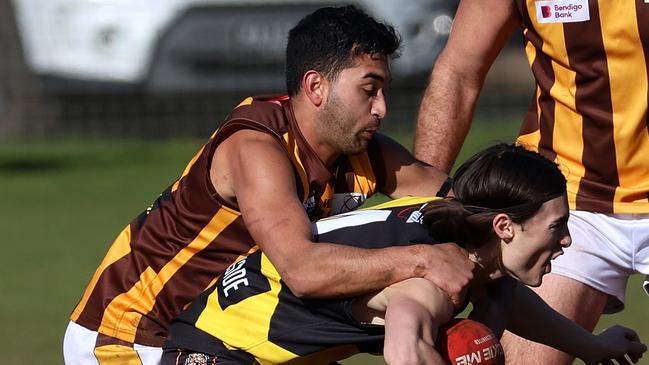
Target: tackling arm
point(264, 190)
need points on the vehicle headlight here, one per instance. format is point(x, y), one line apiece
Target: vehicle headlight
point(442, 24)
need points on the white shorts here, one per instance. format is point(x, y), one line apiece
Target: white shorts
point(79, 348)
point(606, 249)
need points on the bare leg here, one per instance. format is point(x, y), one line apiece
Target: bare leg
point(569, 297)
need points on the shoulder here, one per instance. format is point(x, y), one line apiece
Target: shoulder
point(261, 114)
point(261, 111)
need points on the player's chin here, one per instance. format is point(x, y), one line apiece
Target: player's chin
point(359, 147)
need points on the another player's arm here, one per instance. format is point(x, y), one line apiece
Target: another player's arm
point(412, 311)
point(533, 319)
point(480, 30)
point(404, 174)
point(251, 170)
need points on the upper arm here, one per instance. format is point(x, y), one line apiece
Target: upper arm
point(251, 169)
point(404, 174)
point(480, 30)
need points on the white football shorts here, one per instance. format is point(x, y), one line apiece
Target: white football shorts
point(79, 348)
point(606, 249)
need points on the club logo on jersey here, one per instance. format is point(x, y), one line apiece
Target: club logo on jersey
point(415, 217)
point(196, 359)
point(562, 11)
point(414, 214)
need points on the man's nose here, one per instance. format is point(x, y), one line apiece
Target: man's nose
point(379, 106)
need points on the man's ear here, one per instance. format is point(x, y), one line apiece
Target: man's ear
point(503, 227)
point(315, 85)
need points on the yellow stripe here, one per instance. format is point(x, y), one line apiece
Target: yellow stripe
point(123, 314)
point(291, 146)
point(568, 126)
point(120, 248)
point(409, 200)
point(246, 325)
point(117, 355)
point(365, 182)
point(246, 101)
point(627, 71)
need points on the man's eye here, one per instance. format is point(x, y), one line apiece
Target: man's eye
point(371, 91)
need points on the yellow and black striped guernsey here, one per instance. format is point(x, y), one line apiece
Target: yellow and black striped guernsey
point(178, 246)
point(251, 317)
point(590, 59)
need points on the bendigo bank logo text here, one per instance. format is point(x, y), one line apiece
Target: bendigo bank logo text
point(560, 11)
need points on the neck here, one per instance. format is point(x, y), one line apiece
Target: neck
point(306, 118)
point(488, 262)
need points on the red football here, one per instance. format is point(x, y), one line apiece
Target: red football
point(467, 342)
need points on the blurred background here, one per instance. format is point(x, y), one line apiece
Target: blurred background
point(103, 102)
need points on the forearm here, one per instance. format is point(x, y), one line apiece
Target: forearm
point(533, 319)
point(480, 30)
point(333, 270)
point(410, 333)
point(445, 116)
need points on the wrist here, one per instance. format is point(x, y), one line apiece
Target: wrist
point(588, 351)
point(418, 262)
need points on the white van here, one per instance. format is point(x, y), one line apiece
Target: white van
point(161, 46)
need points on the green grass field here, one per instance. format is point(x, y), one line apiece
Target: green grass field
point(63, 202)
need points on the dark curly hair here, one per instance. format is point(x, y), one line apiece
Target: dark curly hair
point(504, 178)
point(329, 39)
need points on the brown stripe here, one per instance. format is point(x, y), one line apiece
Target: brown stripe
point(103, 340)
point(544, 75)
point(593, 102)
point(642, 13)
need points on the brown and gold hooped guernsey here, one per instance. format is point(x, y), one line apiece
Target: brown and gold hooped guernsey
point(589, 113)
point(179, 245)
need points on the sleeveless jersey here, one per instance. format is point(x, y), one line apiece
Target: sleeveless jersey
point(178, 246)
point(251, 317)
point(589, 113)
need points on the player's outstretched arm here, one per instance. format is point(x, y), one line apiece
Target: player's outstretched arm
point(411, 311)
point(616, 343)
point(251, 171)
point(533, 319)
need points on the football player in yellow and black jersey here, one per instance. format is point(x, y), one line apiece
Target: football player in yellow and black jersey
point(510, 213)
point(274, 165)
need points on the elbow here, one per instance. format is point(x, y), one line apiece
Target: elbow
point(301, 284)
